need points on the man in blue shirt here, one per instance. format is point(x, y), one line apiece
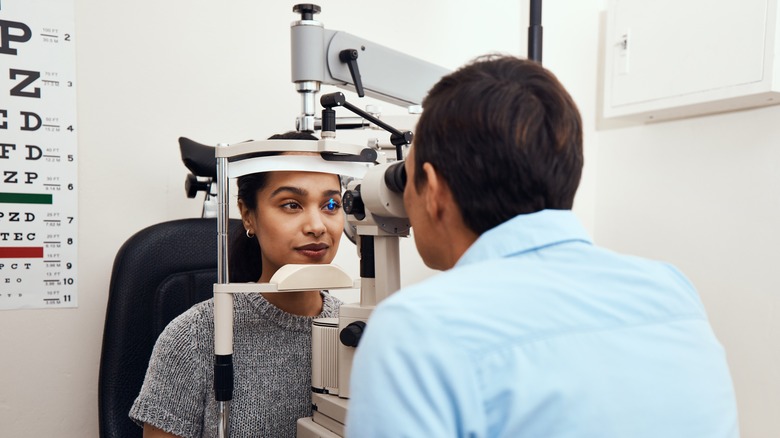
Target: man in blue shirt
point(531, 330)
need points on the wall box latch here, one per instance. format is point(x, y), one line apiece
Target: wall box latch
point(668, 59)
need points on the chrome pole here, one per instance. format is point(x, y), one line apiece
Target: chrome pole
point(223, 306)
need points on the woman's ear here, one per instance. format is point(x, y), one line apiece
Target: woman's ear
point(246, 217)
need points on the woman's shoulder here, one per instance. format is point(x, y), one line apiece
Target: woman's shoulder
point(196, 319)
point(186, 340)
point(198, 311)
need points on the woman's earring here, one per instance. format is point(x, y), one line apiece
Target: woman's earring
point(249, 234)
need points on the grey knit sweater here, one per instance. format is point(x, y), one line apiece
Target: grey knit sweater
point(272, 363)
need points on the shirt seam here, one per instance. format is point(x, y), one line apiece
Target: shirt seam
point(478, 355)
point(482, 255)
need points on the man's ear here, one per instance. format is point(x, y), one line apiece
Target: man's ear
point(436, 192)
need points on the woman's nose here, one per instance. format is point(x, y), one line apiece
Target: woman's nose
point(314, 224)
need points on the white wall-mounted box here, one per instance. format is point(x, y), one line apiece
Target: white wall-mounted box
point(668, 59)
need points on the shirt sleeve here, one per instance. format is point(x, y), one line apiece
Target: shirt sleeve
point(173, 393)
point(409, 380)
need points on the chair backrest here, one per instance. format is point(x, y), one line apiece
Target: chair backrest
point(160, 272)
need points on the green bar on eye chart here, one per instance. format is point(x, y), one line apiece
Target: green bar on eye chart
point(25, 198)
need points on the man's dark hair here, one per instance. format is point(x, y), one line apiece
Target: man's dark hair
point(505, 136)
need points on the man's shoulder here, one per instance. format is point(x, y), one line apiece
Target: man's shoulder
point(523, 297)
point(430, 292)
point(439, 306)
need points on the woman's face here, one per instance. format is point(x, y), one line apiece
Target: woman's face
point(298, 219)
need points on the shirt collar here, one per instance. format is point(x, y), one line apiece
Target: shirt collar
point(526, 232)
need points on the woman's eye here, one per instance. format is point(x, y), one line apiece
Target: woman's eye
point(291, 206)
point(331, 205)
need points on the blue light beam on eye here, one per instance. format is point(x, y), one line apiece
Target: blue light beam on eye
point(331, 204)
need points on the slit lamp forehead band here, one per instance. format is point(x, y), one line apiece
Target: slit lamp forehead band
point(303, 155)
point(303, 163)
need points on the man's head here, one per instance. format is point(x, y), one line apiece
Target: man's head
point(506, 138)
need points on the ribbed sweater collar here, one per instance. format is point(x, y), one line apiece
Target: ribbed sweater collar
point(268, 312)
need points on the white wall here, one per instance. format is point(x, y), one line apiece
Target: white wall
point(702, 193)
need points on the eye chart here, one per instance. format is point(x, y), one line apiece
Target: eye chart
point(38, 155)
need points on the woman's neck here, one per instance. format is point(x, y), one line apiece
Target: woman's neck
point(307, 303)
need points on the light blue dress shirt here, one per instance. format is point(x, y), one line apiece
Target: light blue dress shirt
point(536, 332)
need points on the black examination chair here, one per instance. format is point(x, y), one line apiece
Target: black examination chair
point(160, 272)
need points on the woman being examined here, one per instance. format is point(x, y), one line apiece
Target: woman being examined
point(288, 217)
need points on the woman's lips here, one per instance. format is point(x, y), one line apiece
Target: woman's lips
point(313, 251)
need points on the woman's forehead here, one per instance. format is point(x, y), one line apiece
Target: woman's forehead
point(313, 182)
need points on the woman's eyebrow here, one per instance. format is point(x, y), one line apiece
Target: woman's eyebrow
point(301, 192)
point(295, 190)
point(330, 193)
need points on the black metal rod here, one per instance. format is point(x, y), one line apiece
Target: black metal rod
point(372, 119)
point(535, 32)
point(397, 138)
point(367, 261)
